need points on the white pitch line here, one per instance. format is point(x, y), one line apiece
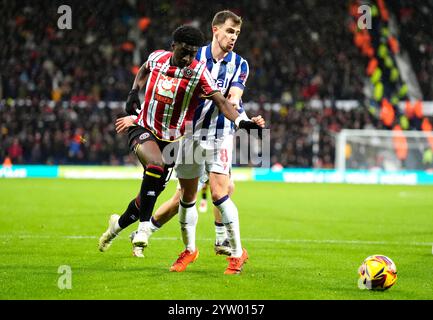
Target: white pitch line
point(318, 241)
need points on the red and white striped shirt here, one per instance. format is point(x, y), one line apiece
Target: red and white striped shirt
point(172, 95)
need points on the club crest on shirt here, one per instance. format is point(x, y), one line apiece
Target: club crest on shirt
point(144, 136)
point(188, 72)
point(230, 67)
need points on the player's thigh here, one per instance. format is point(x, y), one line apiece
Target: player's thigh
point(149, 152)
point(145, 146)
point(188, 165)
point(219, 166)
point(220, 160)
point(189, 171)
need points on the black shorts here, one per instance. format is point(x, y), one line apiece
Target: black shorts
point(139, 135)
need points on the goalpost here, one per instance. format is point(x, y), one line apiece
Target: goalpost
point(384, 150)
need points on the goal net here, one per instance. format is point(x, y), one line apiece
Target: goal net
point(384, 150)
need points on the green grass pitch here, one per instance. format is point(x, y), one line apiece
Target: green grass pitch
point(305, 241)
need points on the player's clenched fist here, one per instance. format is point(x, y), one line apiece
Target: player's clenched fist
point(259, 121)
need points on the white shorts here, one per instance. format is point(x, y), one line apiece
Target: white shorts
point(201, 182)
point(196, 158)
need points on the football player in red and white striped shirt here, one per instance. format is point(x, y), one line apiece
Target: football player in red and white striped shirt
point(172, 92)
point(173, 82)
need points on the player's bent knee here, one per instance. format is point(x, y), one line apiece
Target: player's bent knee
point(148, 156)
point(231, 188)
point(155, 170)
point(217, 194)
point(189, 196)
point(156, 164)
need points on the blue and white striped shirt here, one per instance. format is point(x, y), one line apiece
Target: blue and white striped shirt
point(209, 123)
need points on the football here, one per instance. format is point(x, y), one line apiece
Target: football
point(377, 272)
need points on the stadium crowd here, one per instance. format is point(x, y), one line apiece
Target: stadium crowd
point(416, 35)
point(35, 133)
point(306, 53)
point(297, 51)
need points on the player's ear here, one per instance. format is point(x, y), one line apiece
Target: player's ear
point(173, 45)
point(214, 29)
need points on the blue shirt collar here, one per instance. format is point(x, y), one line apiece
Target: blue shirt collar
point(226, 59)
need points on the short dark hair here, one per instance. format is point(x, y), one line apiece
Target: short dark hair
point(189, 35)
point(221, 17)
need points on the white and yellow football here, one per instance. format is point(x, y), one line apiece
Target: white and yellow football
point(377, 272)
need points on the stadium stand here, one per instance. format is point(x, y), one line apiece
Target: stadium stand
point(58, 85)
point(416, 36)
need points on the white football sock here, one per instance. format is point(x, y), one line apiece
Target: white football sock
point(117, 228)
point(188, 220)
point(230, 219)
point(144, 227)
point(220, 234)
point(153, 228)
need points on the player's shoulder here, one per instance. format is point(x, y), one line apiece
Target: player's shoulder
point(238, 58)
point(198, 65)
point(159, 55)
point(205, 47)
point(202, 53)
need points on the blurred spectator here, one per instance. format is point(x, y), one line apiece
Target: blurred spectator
point(15, 152)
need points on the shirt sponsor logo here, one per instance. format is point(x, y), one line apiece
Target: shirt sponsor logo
point(165, 89)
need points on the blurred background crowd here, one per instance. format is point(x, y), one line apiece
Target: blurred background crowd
point(57, 85)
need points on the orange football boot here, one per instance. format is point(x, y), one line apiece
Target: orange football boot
point(185, 258)
point(236, 264)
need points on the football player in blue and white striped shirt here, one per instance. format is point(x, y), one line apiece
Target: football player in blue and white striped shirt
point(213, 134)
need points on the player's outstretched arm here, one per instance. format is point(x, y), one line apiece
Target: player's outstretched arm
point(230, 113)
point(234, 97)
point(141, 78)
